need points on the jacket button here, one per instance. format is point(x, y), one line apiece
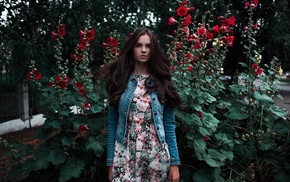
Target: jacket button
point(155, 113)
point(153, 98)
point(157, 128)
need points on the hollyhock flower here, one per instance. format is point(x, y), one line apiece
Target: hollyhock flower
point(191, 37)
point(62, 84)
point(82, 91)
point(61, 31)
point(184, 3)
point(191, 8)
point(255, 66)
point(215, 29)
point(179, 63)
point(201, 31)
point(90, 34)
point(49, 84)
point(187, 20)
point(224, 28)
point(79, 85)
point(82, 44)
point(259, 71)
point(83, 128)
point(197, 44)
point(104, 44)
point(209, 73)
point(172, 68)
point(82, 33)
point(67, 79)
point(230, 40)
point(255, 2)
point(57, 78)
point(53, 35)
point(188, 55)
point(190, 68)
point(255, 26)
point(246, 28)
point(72, 56)
point(28, 76)
point(205, 138)
point(247, 4)
point(171, 21)
point(229, 21)
point(79, 58)
point(178, 45)
point(37, 75)
point(199, 114)
point(181, 11)
point(174, 55)
point(209, 35)
point(87, 106)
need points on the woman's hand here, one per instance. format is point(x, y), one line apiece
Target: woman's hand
point(174, 174)
point(110, 173)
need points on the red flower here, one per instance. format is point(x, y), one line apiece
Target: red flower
point(255, 26)
point(83, 128)
point(57, 78)
point(79, 85)
point(90, 34)
point(230, 39)
point(178, 45)
point(28, 76)
point(61, 31)
point(112, 42)
point(49, 84)
point(201, 31)
point(200, 114)
point(247, 4)
point(104, 44)
point(255, 66)
point(187, 20)
point(197, 44)
point(229, 21)
point(82, 44)
point(259, 71)
point(181, 11)
point(184, 3)
point(205, 138)
point(87, 106)
point(215, 29)
point(53, 35)
point(255, 2)
point(79, 58)
point(62, 84)
point(67, 79)
point(190, 68)
point(171, 21)
point(172, 68)
point(209, 35)
point(72, 56)
point(82, 91)
point(37, 75)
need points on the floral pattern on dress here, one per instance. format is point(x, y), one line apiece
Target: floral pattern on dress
point(142, 158)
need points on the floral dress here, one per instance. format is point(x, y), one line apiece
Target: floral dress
point(142, 158)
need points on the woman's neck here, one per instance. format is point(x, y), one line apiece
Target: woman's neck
point(140, 69)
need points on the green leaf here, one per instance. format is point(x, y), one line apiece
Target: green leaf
point(203, 131)
point(228, 154)
point(263, 98)
point(278, 111)
point(199, 145)
point(237, 113)
point(281, 126)
point(96, 144)
point(72, 168)
point(56, 157)
point(201, 176)
point(67, 141)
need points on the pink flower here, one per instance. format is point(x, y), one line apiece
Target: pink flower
point(171, 21)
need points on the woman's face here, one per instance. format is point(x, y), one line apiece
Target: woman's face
point(142, 49)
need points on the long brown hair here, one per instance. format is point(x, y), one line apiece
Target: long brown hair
point(117, 72)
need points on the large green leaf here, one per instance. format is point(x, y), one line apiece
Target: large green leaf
point(56, 157)
point(237, 113)
point(263, 98)
point(72, 168)
point(96, 144)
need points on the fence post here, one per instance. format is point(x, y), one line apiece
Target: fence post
point(24, 103)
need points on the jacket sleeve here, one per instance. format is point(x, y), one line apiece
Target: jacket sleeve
point(112, 127)
point(170, 136)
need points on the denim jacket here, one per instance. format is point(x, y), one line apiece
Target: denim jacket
point(163, 117)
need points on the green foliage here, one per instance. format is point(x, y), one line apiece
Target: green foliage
point(73, 136)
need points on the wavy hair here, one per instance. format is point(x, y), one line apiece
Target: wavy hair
point(117, 72)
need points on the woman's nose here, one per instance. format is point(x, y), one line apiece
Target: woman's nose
point(143, 49)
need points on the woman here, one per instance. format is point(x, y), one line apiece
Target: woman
point(141, 125)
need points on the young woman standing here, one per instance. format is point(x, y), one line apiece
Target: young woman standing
point(141, 125)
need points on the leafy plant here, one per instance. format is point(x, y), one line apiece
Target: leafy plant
point(73, 135)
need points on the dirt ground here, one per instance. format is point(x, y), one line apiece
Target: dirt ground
point(26, 137)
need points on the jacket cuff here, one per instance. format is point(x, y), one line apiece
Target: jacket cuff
point(109, 162)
